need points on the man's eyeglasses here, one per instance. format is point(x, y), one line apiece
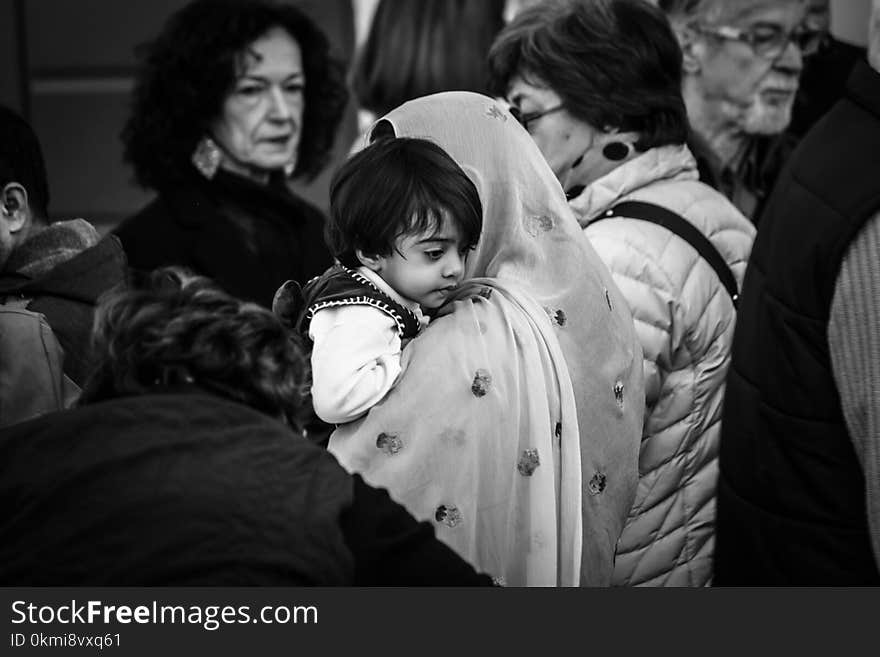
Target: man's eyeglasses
point(525, 118)
point(769, 41)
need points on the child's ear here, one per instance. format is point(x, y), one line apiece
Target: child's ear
point(373, 262)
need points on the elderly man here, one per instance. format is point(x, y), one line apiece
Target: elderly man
point(742, 62)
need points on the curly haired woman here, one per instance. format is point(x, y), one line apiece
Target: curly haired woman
point(234, 99)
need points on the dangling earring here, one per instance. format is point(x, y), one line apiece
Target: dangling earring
point(206, 158)
point(616, 151)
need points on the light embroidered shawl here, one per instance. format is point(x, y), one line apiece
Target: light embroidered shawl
point(515, 424)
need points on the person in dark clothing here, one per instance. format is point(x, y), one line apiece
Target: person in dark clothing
point(51, 275)
point(416, 49)
point(799, 483)
point(234, 100)
point(183, 465)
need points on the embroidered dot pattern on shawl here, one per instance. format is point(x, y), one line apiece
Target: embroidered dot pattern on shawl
point(482, 382)
point(535, 225)
point(389, 443)
point(528, 462)
point(557, 316)
point(618, 393)
point(597, 483)
point(448, 515)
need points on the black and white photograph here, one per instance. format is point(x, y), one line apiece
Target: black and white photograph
point(387, 294)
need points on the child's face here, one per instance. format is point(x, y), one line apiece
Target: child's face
point(426, 267)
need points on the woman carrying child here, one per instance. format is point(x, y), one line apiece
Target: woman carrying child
point(514, 424)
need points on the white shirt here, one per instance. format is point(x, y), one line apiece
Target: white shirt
point(356, 355)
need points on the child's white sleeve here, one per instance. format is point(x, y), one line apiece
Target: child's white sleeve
point(355, 361)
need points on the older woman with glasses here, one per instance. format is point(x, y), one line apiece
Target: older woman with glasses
point(598, 86)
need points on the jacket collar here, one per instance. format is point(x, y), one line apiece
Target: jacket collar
point(863, 87)
point(380, 283)
point(50, 246)
point(84, 277)
point(673, 162)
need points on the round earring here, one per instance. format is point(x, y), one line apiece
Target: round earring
point(615, 151)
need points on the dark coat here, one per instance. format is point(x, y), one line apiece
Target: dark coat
point(67, 296)
point(249, 238)
point(185, 488)
point(791, 492)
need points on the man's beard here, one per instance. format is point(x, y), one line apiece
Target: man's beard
point(767, 118)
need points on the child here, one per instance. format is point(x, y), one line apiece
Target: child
point(403, 216)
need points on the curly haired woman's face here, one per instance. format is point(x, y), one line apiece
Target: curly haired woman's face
point(261, 119)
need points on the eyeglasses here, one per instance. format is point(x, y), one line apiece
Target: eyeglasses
point(769, 41)
point(527, 117)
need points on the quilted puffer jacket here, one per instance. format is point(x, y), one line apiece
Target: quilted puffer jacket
point(684, 318)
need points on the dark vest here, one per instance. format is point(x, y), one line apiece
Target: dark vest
point(339, 286)
point(791, 493)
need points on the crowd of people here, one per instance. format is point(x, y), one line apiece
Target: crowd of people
point(589, 308)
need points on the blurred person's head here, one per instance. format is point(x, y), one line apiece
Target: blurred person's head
point(24, 188)
point(246, 86)
point(177, 329)
point(594, 82)
point(419, 48)
point(742, 61)
point(417, 232)
point(819, 15)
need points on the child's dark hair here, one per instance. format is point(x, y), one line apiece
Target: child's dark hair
point(393, 187)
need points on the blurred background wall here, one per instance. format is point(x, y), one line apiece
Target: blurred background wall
point(849, 20)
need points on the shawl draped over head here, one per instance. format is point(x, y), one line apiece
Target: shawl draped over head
point(515, 424)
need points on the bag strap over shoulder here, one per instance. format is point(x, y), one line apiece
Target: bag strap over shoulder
point(681, 227)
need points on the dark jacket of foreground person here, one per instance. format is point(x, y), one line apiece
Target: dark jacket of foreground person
point(184, 488)
point(791, 503)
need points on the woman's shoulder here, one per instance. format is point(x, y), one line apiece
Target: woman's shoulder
point(704, 207)
point(157, 233)
point(186, 205)
point(698, 204)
